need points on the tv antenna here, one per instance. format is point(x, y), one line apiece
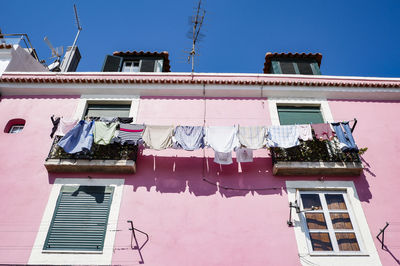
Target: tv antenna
point(55, 53)
point(76, 37)
point(194, 33)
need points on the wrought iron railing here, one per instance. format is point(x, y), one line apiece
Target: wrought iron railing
point(314, 151)
point(113, 151)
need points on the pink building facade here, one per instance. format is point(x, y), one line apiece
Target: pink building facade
point(194, 211)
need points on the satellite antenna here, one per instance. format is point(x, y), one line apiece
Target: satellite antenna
point(72, 53)
point(55, 53)
point(194, 33)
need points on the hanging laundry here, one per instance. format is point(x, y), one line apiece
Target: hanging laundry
point(158, 137)
point(55, 123)
point(223, 157)
point(283, 136)
point(125, 120)
point(78, 139)
point(65, 126)
point(103, 132)
point(129, 134)
point(222, 139)
point(305, 132)
point(252, 137)
point(343, 133)
point(108, 119)
point(244, 155)
point(189, 137)
point(323, 131)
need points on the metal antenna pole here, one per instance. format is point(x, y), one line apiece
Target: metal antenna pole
point(77, 35)
point(197, 23)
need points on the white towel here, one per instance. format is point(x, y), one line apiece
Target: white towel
point(222, 139)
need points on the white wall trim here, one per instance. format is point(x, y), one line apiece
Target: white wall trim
point(38, 256)
point(323, 103)
point(370, 254)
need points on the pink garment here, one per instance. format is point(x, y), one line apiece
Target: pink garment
point(305, 132)
point(323, 131)
point(65, 126)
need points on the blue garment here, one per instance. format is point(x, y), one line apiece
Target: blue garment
point(189, 137)
point(78, 139)
point(345, 137)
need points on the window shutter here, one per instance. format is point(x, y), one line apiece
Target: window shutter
point(112, 64)
point(80, 219)
point(287, 67)
point(147, 65)
point(305, 68)
point(291, 115)
point(108, 110)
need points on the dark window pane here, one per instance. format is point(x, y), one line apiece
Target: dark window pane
point(315, 220)
point(305, 68)
point(341, 221)
point(335, 202)
point(311, 201)
point(347, 242)
point(147, 65)
point(321, 242)
point(287, 67)
point(290, 115)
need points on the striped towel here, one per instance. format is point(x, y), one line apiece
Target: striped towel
point(129, 134)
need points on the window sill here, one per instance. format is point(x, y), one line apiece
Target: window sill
point(71, 252)
point(82, 165)
point(317, 168)
point(339, 254)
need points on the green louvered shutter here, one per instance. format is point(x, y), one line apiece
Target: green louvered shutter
point(291, 115)
point(112, 64)
point(147, 65)
point(108, 110)
point(80, 219)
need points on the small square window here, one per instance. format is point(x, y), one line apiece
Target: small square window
point(16, 129)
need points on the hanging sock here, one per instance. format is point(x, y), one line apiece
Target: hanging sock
point(55, 123)
point(189, 138)
point(78, 139)
point(343, 133)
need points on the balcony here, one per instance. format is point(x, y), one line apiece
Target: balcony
point(315, 158)
point(113, 158)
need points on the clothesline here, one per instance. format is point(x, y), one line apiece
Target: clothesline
point(222, 139)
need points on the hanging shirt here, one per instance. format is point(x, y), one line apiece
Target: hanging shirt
point(305, 132)
point(103, 132)
point(189, 137)
point(129, 134)
point(125, 120)
point(65, 126)
point(252, 137)
point(223, 157)
point(347, 143)
point(323, 131)
point(158, 137)
point(222, 139)
point(244, 155)
point(78, 139)
point(283, 136)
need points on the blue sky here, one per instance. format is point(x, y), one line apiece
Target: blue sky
point(356, 38)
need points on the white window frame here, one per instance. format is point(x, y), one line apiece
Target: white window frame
point(85, 100)
point(54, 257)
point(16, 129)
point(367, 256)
point(328, 223)
point(273, 104)
point(131, 68)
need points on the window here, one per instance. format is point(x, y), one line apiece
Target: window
point(297, 67)
point(16, 129)
point(143, 65)
point(108, 110)
point(79, 222)
point(327, 218)
point(80, 219)
point(290, 115)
